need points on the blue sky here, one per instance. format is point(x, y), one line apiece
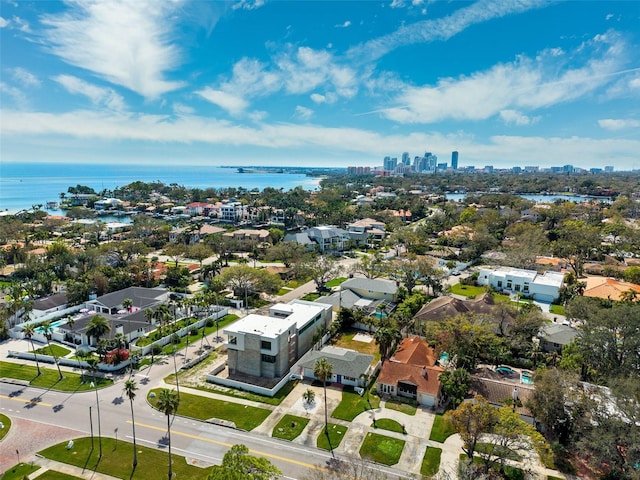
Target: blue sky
point(326, 83)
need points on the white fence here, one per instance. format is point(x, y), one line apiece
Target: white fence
point(68, 362)
point(267, 392)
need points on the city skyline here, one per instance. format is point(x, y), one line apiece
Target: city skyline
point(257, 82)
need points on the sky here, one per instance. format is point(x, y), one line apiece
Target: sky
point(320, 83)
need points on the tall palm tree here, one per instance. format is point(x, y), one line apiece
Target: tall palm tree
point(29, 331)
point(47, 329)
point(130, 388)
point(386, 338)
point(127, 303)
point(323, 370)
point(98, 326)
point(168, 402)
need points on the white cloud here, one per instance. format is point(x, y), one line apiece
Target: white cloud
point(229, 102)
point(181, 109)
point(126, 43)
point(25, 78)
point(303, 112)
point(18, 96)
point(525, 84)
point(3, 22)
point(317, 98)
point(609, 16)
point(618, 123)
point(517, 118)
point(248, 4)
point(439, 29)
point(21, 24)
point(346, 24)
point(106, 97)
point(634, 83)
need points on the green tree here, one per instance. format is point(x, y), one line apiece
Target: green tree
point(576, 242)
point(130, 388)
point(237, 464)
point(98, 327)
point(47, 330)
point(321, 269)
point(246, 281)
point(549, 402)
point(387, 338)
point(127, 303)
point(472, 420)
point(288, 253)
point(29, 330)
point(323, 370)
point(455, 385)
point(168, 402)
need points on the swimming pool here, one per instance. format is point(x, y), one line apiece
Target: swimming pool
point(526, 377)
point(55, 324)
point(505, 370)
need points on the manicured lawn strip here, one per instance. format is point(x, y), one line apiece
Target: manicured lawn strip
point(486, 447)
point(336, 434)
point(310, 297)
point(336, 281)
point(381, 449)
point(117, 460)
point(466, 290)
point(283, 291)
point(551, 477)
point(254, 397)
point(72, 382)
point(557, 309)
point(353, 404)
point(204, 408)
point(19, 471)
point(388, 424)
point(431, 461)
point(441, 430)
point(6, 421)
point(510, 473)
point(53, 475)
point(400, 407)
point(58, 351)
point(289, 427)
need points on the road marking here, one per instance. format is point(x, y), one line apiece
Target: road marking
point(27, 401)
point(229, 445)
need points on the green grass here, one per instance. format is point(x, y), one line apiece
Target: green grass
point(336, 281)
point(195, 339)
point(551, 477)
point(466, 290)
point(6, 421)
point(58, 351)
point(510, 473)
point(283, 291)
point(389, 424)
point(203, 408)
point(557, 309)
point(254, 397)
point(117, 460)
point(400, 407)
point(289, 427)
point(381, 449)
point(353, 405)
point(19, 471)
point(441, 430)
point(310, 297)
point(72, 382)
point(53, 475)
point(431, 461)
point(336, 434)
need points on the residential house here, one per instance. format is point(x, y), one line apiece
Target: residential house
point(541, 287)
point(193, 234)
point(445, 307)
point(500, 393)
point(366, 230)
point(201, 209)
point(141, 298)
point(323, 238)
point(609, 288)
point(555, 336)
point(231, 211)
point(108, 204)
point(348, 366)
point(371, 295)
point(248, 238)
point(268, 346)
point(132, 325)
point(412, 373)
point(46, 305)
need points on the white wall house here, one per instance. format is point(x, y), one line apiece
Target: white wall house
point(542, 287)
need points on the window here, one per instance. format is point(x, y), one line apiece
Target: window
point(509, 284)
point(517, 287)
point(268, 358)
point(233, 340)
point(526, 289)
point(499, 283)
point(264, 345)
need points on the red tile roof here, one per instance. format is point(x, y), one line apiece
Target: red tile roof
point(425, 378)
point(414, 351)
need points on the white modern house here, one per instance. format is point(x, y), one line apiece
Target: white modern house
point(541, 287)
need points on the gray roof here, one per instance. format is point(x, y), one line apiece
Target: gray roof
point(344, 362)
point(301, 238)
point(326, 232)
point(130, 323)
point(142, 297)
point(52, 301)
point(375, 285)
point(558, 333)
point(348, 299)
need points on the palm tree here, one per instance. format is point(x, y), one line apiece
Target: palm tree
point(98, 326)
point(168, 402)
point(127, 303)
point(29, 330)
point(130, 388)
point(47, 329)
point(629, 296)
point(386, 337)
point(323, 370)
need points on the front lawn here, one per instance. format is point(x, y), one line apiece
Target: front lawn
point(336, 281)
point(556, 309)
point(244, 417)
point(389, 424)
point(20, 471)
point(193, 339)
point(441, 430)
point(58, 351)
point(53, 475)
point(117, 460)
point(310, 297)
point(6, 425)
point(336, 434)
point(353, 404)
point(401, 407)
point(466, 290)
point(381, 449)
point(510, 473)
point(431, 461)
point(49, 378)
point(289, 427)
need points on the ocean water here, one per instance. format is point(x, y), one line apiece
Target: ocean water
point(23, 185)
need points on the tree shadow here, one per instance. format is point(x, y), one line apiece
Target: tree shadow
point(16, 393)
point(144, 381)
point(57, 408)
point(117, 400)
point(33, 402)
point(133, 471)
point(163, 441)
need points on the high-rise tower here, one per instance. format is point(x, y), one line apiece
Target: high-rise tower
point(454, 160)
